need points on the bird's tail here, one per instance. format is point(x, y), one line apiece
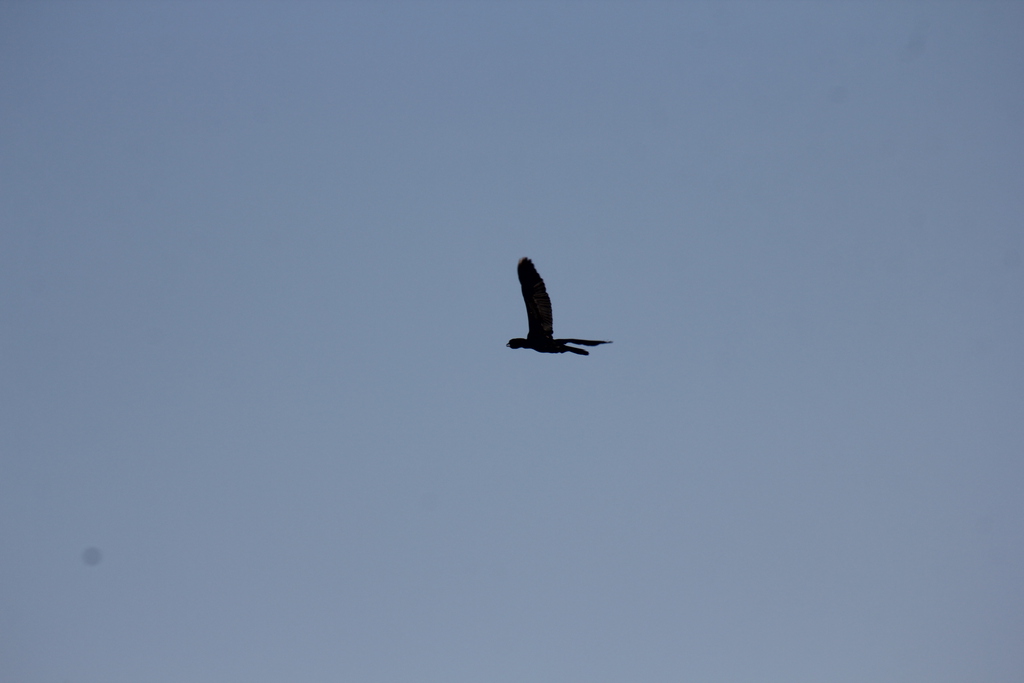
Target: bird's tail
point(579, 351)
point(585, 342)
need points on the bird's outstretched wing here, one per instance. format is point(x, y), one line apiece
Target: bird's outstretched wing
point(538, 304)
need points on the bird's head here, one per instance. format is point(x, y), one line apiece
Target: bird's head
point(516, 343)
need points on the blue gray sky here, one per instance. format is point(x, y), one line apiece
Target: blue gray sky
point(257, 271)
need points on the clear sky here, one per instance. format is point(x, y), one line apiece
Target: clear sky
point(258, 422)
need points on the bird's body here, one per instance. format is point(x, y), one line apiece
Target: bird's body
point(538, 312)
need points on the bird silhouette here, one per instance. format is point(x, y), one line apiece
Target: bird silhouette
point(538, 312)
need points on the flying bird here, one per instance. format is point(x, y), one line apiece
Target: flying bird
point(538, 312)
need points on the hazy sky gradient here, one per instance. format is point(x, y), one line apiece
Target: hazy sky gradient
point(257, 271)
